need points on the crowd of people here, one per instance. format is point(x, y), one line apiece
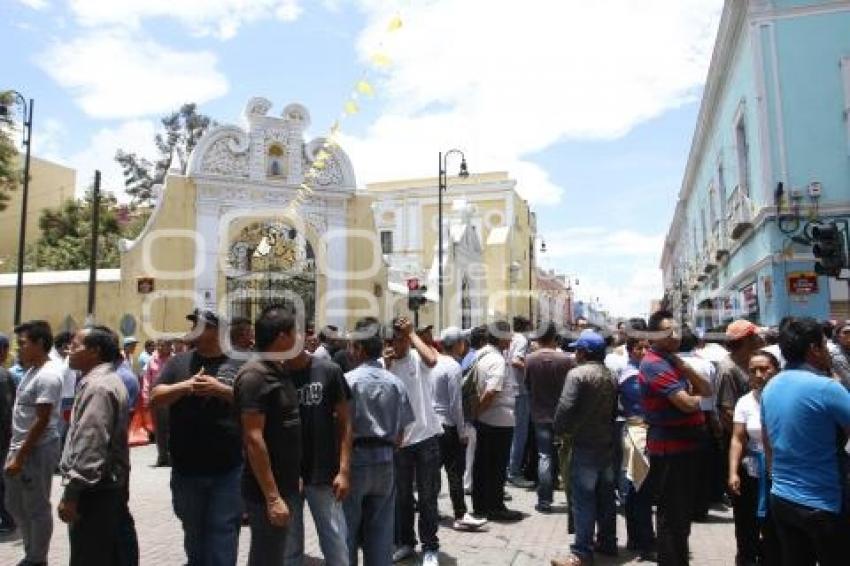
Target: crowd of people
point(258, 419)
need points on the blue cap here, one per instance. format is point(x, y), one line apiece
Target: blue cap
point(589, 340)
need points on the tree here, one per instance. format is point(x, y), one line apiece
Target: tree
point(8, 154)
point(183, 129)
point(65, 241)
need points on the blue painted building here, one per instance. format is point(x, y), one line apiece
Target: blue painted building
point(770, 156)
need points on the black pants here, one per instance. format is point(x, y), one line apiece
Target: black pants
point(418, 462)
point(673, 480)
point(709, 472)
point(489, 470)
point(810, 535)
point(453, 458)
point(101, 536)
point(161, 427)
point(744, 511)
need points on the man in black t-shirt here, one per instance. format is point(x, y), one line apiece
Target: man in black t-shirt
point(206, 452)
point(267, 404)
point(323, 396)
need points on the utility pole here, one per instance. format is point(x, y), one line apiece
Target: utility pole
point(95, 230)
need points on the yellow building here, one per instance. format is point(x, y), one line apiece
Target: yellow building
point(261, 217)
point(264, 216)
point(50, 185)
point(486, 207)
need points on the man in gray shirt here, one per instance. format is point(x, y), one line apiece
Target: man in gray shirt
point(34, 447)
point(95, 465)
point(586, 411)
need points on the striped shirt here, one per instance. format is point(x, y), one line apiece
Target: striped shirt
point(671, 431)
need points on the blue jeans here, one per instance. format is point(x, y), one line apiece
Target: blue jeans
point(521, 410)
point(210, 509)
point(370, 514)
point(592, 492)
point(268, 542)
point(544, 434)
point(329, 519)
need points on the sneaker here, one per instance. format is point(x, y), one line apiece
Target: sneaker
point(468, 523)
point(520, 482)
point(430, 558)
point(543, 507)
point(402, 552)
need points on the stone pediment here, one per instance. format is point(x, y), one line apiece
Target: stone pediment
point(271, 150)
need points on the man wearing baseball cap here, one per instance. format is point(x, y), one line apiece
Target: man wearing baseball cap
point(586, 412)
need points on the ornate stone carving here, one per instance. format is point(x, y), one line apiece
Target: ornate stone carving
point(256, 106)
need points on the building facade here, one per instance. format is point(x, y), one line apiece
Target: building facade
point(770, 159)
point(51, 184)
point(489, 244)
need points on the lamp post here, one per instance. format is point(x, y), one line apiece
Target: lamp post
point(530, 274)
point(442, 182)
point(22, 232)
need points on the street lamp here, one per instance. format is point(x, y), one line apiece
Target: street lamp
point(5, 111)
point(531, 272)
point(442, 182)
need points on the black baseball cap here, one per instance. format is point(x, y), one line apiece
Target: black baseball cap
point(207, 317)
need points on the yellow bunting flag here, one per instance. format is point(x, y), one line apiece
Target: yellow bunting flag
point(381, 60)
point(363, 87)
point(351, 107)
point(395, 24)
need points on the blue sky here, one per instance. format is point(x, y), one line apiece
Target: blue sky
point(589, 105)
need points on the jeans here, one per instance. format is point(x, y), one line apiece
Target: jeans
point(420, 461)
point(268, 542)
point(744, 508)
point(492, 452)
point(638, 511)
point(210, 509)
point(370, 512)
point(809, 535)
point(98, 537)
point(521, 411)
point(330, 526)
point(453, 458)
point(28, 499)
point(617, 458)
point(6, 519)
point(592, 491)
point(545, 463)
point(673, 480)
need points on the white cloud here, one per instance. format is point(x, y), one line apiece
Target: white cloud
point(47, 138)
point(601, 242)
point(219, 18)
point(511, 79)
point(34, 4)
point(114, 74)
point(134, 136)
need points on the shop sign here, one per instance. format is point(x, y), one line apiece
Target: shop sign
point(802, 283)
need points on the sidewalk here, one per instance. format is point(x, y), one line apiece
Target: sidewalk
point(534, 540)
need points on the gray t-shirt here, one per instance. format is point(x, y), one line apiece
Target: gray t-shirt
point(38, 387)
point(493, 376)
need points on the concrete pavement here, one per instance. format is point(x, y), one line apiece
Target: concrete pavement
point(534, 540)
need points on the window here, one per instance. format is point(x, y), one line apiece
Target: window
point(704, 228)
point(721, 192)
point(712, 209)
point(743, 151)
point(386, 241)
point(276, 164)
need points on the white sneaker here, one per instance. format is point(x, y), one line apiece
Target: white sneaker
point(430, 558)
point(468, 523)
point(402, 553)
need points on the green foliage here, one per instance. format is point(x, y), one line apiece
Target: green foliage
point(65, 241)
point(9, 173)
point(183, 129)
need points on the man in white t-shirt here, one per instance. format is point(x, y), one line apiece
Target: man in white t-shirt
point(419, 455)
point(34, 448)
point(517, 351)
point(494, 426)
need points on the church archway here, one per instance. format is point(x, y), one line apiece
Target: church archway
point(271, 263)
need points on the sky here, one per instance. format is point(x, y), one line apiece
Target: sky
point(589, 105)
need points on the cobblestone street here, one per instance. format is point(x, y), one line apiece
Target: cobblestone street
point(534, 540)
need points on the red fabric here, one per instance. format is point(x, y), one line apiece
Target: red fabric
point(141, 425)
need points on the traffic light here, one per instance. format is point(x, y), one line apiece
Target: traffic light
point(415, 294)
point(830, 249)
